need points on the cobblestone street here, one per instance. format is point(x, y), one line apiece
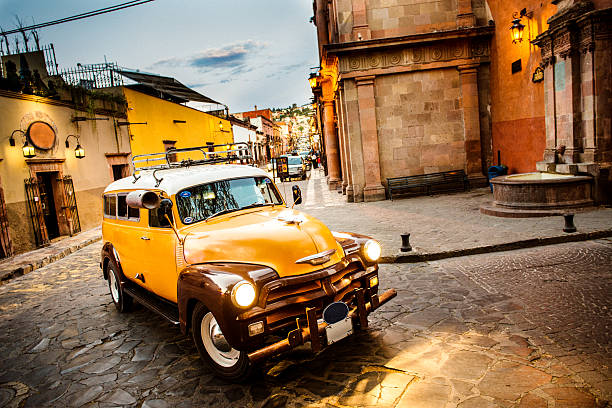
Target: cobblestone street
point(528, 328)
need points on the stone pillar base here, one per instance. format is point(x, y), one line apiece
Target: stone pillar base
point(334, 184)
point(350, 194)
point(374, 193)
point(477, 180)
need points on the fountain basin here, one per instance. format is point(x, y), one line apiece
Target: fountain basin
point(539, 195)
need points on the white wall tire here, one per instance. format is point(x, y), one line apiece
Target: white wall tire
point(225, 361)
point(122, 302)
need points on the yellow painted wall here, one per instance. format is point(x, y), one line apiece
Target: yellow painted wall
point(159, 114)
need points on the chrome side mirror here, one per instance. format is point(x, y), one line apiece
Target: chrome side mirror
point(297, 195)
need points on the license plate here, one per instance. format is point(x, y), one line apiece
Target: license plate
point(339, 330)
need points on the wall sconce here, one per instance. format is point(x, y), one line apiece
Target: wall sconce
point(28, 150)
point(516, 29)
point(312, 80)
point(79, 152)
point(221, 127)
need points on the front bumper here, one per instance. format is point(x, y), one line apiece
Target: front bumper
point(314, 329)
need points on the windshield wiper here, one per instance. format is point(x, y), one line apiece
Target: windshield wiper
point(256, 205)
point(227, 210)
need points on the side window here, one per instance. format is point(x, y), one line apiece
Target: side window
point(156, 219)
point(133, 213)
point(121, 206)
point(110, 205)
point(124, 211)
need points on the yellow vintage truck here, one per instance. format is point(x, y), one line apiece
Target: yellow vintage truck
point(212, 246)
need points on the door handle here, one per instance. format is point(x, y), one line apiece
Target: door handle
point(145, 238)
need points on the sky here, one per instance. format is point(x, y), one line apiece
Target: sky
point(238, 52)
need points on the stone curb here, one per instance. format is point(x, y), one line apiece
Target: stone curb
point(507, 246)
point(8, 274)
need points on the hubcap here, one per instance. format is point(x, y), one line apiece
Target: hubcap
point(215, 343)
point(114, 286)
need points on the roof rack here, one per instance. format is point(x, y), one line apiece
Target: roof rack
point(212, 154)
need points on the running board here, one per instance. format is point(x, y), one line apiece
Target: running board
point(162, 307)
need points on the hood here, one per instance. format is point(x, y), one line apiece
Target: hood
point(273, 237)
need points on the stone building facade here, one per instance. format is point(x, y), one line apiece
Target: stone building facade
point(411, 87)
point(406, 82)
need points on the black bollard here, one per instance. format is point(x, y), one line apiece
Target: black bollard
point(405, 243)
point(569, 223)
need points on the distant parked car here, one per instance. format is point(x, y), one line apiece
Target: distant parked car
point(305, 155)
point(297, 168)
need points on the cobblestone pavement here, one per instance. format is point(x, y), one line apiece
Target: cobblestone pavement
point(527, 328)
point(32, 260)
point(440, 223)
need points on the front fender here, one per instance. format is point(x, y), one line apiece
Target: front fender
point(211, 284)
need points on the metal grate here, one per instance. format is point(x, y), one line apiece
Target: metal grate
point(36, 213)
point(6, 246)
point(71, 205)
point(93, 76)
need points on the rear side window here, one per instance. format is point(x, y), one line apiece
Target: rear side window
point(124, 211)
point(110, 205)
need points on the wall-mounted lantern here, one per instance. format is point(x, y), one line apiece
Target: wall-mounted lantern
point(79, 152)
point(516, 29)
point(312, 80)
point(28, 150)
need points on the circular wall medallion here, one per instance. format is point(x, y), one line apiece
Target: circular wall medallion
point(42, 135)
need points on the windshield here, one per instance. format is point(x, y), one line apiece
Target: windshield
point(295, 160)
point(207, 200)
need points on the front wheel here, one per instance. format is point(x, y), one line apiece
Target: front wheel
point(226, 362)
point(122, 302)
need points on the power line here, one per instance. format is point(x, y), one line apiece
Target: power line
point(78, 16)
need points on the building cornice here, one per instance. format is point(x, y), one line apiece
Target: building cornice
point(416, 39)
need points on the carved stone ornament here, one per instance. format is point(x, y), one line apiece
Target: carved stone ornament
point(415, 55)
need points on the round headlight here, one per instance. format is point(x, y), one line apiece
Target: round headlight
point(372, 250)
point(243, 294)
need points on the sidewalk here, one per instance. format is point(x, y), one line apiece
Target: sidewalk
point(29, 261)
point(443, 226)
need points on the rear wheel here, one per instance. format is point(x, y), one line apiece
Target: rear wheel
point(226, 362)
point(122, 302)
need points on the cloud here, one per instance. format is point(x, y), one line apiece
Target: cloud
point(233, 56)
point(288, 69)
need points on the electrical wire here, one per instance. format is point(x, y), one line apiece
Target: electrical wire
point(88, 14)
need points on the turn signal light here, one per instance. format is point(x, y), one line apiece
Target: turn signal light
point(373, 281)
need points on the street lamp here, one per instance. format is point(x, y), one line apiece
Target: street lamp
point(312, 80)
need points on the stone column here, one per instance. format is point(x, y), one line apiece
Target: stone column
point(373, 190)
point(331, 146)
point(342, 142)
point(361, 30)
point(567, 89)
point(550, 109)
point(468, 75)
point(347, 149)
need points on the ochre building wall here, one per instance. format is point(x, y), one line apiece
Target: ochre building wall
point(517, 103)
